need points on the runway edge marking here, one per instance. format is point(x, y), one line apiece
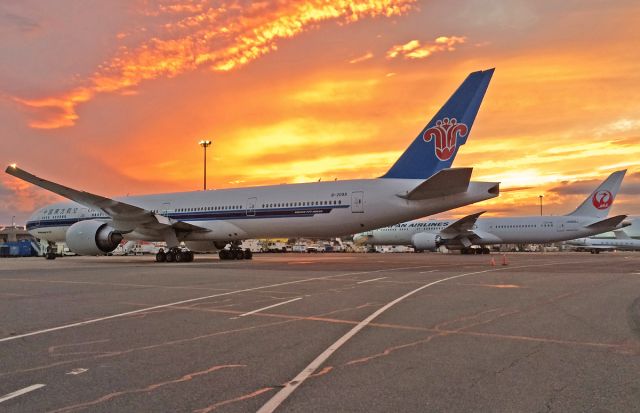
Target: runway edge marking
point(191, 300)
point(277, 399)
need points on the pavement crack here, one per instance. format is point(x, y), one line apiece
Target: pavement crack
point(517, 360)
point(147, 389)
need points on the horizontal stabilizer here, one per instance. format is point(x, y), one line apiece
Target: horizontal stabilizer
point(125, 217)
point(463, 224)
point(448, 181)
point(609, 224)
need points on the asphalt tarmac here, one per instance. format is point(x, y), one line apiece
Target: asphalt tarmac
point(322, 333)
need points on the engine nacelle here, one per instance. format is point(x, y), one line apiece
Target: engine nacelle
point(92, 237)
point(426, 241)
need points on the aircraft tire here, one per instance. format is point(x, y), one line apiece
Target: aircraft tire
point(161, 257)
point(180, 256)
point(248, 254)
point(239, 255)
point(170, 256)
point(189, 255)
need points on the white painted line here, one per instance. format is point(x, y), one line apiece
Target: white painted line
point(192, 300)
point(368, 281)
point(277, 399)
point(270, 306)
point(21, 392)
point(424, 272)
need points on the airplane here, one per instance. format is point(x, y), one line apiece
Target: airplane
point(622, 241)
point(588, 219)
point(421, 182)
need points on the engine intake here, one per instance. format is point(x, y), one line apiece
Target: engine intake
point(426, 241)
point(92, 237)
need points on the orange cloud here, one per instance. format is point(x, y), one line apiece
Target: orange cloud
point(415, 50)
point(362, 58)
point(223, 38)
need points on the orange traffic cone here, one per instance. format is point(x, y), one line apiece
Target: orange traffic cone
point(504, 259)
point(492, 262)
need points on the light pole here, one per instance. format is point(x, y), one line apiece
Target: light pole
point(205, 143)
point(540, 196)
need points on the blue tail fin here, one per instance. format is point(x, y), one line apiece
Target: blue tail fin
point(437, 145)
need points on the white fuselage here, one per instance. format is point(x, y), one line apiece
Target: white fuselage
point(319, 209)
point(628, 244)
point(489, 231)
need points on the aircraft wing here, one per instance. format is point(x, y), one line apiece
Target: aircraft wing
point(463, 225)
point(125, 217)
point(445, 182)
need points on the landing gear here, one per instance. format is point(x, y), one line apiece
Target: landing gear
point(174, 255)
point(594, 251)
point(235, 253)
point(49, 254)
point(472, 251)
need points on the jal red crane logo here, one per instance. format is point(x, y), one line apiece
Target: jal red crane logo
point(445, 134)
point(602, 199)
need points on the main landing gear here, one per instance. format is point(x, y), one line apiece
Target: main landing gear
point(50, 253)
point(174, 255)
point(235, 253)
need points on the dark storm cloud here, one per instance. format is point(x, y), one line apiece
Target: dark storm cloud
point(15, 22)
point(630, 186)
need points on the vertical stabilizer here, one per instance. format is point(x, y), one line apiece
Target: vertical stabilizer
point(436, 146)
point(599, 203)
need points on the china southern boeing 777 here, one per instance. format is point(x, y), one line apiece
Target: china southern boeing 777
point(590, 218)
point(420, 183)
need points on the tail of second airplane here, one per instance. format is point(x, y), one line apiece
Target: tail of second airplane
point(598, 204)
point(437, 145)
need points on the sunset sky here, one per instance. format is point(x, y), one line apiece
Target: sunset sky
point(112, 96)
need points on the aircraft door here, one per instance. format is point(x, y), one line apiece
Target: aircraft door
point(357, 202)
point(572, 225)
point(251, 207)
point(560, 227)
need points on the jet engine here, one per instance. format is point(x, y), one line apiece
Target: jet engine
point(92, 237)
point(426, 241)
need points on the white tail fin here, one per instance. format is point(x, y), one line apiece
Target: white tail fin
point(598, 204)
point(620, 234)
